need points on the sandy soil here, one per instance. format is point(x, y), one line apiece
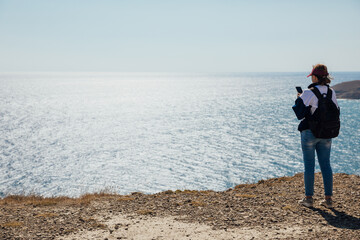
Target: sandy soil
point(137, 227)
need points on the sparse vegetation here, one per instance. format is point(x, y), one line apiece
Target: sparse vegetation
point(47, 215)
point(168, 192)
point(32, 200)
point(145, 212)
point(289, 208)
point(125, 198)
point(245, 195)
point(39, 201)
point(12, 224)
point(198, 203)
point(245, 186)
point(191, 192)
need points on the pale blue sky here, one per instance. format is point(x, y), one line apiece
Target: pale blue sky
point(178, 35)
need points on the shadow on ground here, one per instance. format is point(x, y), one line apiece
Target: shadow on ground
point(339, 219)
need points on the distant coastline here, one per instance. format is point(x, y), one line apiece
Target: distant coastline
point(348, 90)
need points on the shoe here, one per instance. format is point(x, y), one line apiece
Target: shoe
point(327, 203)
point(307, 202)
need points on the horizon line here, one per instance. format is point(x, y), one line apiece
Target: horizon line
point(161, 72)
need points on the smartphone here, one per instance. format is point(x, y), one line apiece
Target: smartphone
point(299, 89)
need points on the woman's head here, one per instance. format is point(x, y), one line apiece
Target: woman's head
point(320, 74)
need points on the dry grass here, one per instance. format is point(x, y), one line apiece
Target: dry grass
point(32, 200)
point(47, 215)
point(206, 192)
point(244, 186)
point(289, 208)
point(13, 224)
point(274, 181)
point(245, 195)
point(198, 203)
point(191, 192)
point(145, 212)
point(125, 198)
point(87, 198)
point(40, 201)
point(186, 191)
point(168, 192)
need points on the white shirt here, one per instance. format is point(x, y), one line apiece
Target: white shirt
point(310, 99)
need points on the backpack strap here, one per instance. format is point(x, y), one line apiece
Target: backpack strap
point(318, 94)
point(329, 93)
point(316, 91)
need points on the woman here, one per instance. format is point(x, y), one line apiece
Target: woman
point(304, 108)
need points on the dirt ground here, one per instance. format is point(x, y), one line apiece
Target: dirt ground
point(268, 209)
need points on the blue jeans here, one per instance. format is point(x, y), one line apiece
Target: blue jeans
point(309, 145)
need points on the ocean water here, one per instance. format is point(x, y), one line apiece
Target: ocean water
point(72, 133)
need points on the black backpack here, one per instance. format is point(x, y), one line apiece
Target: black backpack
point(325, 122)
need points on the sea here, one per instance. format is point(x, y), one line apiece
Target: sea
point(67, 134)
